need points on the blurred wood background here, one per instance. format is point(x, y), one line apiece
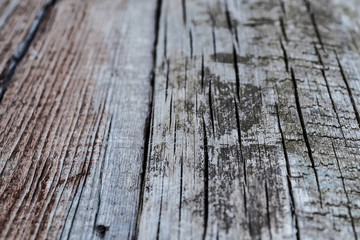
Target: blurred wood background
point(179, 119)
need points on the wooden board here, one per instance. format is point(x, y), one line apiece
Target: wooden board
point(188, 119)
point(254, 131)
point(72, 123)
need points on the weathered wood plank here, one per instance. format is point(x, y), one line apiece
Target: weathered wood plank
point(255, 127)
point(18, 25)
point(72, 123)
point(251, 131)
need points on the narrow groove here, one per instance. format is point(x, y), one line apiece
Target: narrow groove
point(306, 139)
point(228, 18)
point(160, 211)
point(213, 26)
point(8, 72)
point(102, 227)
point(283, 30)
point(346, 193)
point(40, 179)
point(102, 170)
point(186, 75)
point(313, 22)
point(317, 30)
point(282, 5)
point(238, 124)
point(283, 142)
point(268, 209)
point(348, 89)
point(328, 90)
point(230, 23)
point(167, 79)
point(288, 171)
point(211, 109)
point(202, 71)
point(206, 180)
point(191, 44)
point(183, 3)
point(171, 106)
point(214, 41)
point(245, 202)
point(149, 123)
point(165, 40)
point(286, 60)
point(175, 138)
point(181, 192)
point(236, 37)
point(237, 77)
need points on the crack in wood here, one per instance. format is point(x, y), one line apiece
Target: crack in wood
point(348, 89)
point(8, 72)
point(206, 180)
point(288, 177)
point(346, 192)
point(305, 135)
point(286, 61)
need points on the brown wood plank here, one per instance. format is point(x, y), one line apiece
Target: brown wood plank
point(72, 123)
point(16, 19)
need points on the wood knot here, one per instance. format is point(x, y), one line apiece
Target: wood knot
point(101, 229)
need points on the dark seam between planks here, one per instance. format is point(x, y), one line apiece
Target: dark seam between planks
point(8, 72)
point(149, 122)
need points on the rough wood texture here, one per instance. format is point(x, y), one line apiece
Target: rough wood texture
point(180, 119)
point(22, 19)
point(72, 123)
point(254, 127)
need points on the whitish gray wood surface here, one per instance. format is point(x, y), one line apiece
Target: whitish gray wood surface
point(179, 119)
point(255, 125)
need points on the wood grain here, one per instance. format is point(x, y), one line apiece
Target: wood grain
point(19, 21)
point(255, 122)
point(72, 123)
point(179, 119)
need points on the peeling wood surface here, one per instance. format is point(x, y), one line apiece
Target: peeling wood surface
point(186, 119)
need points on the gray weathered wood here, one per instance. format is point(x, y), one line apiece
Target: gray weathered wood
point(179, 119)
point(255, 122)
